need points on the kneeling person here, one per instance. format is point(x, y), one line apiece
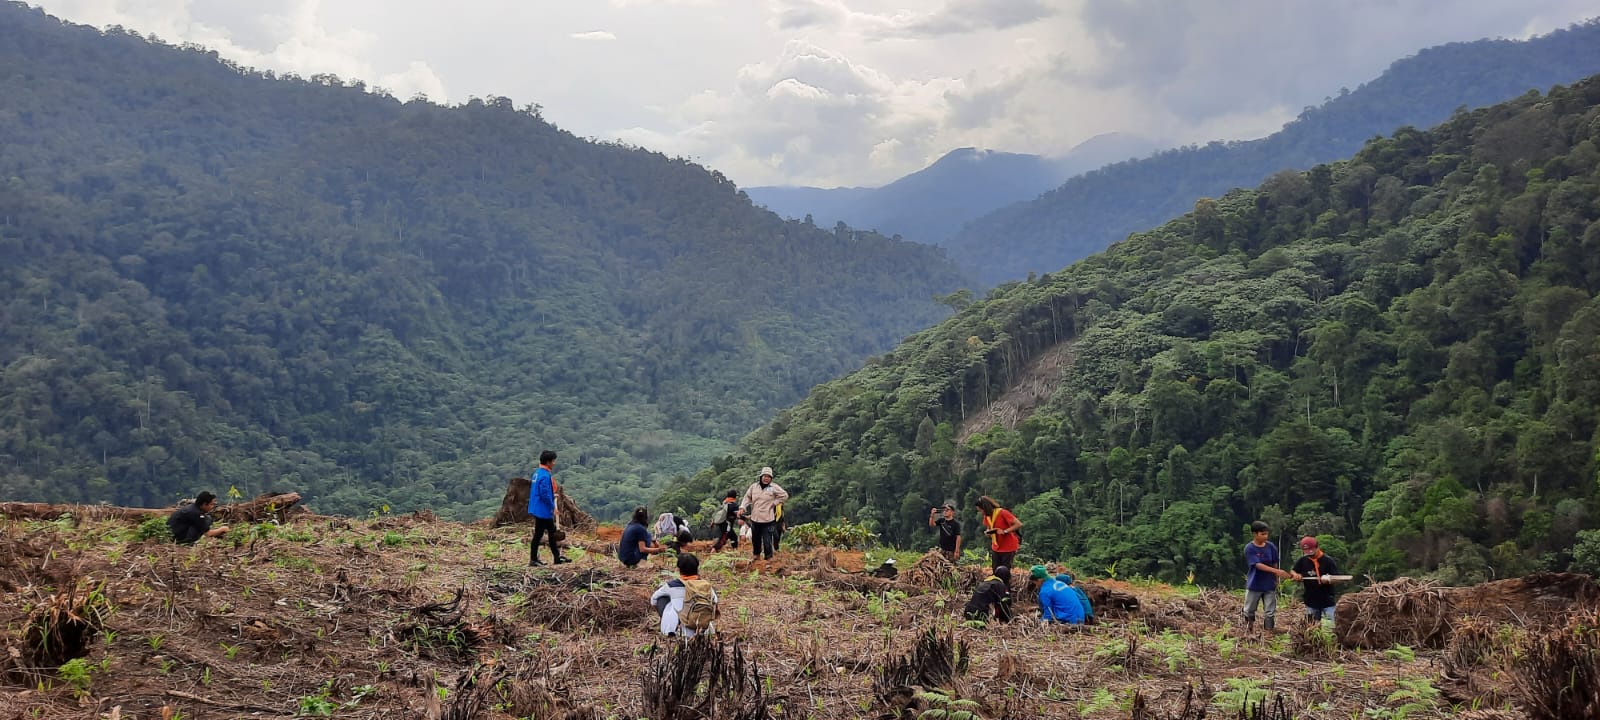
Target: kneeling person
point(995, 592)
point(1058, 602)
point(193, 521)
point(688, 605)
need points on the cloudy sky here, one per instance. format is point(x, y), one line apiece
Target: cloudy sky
point(848, 92)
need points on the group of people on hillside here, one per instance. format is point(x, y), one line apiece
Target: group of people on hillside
point(688, 605)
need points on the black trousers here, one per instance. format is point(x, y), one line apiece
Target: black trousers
point(540, 527)
point(764, 539)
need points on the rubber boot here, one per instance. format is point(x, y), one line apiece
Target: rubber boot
point(1269, 623)
point(1249, 624)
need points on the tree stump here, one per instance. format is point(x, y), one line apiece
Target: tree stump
point(514, 506)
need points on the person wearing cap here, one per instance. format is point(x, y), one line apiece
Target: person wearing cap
point(1312, 570)
point(1057, 601)
point(1001, 527)
point(1083, 597)
point(760, 507)
point(1261, 576)
point(994, 592)
point(949, 529)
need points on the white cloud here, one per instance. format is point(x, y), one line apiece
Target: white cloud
point(282, 35)
point(847, 92)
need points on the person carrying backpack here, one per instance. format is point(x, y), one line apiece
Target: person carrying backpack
point(688, 605)
point(723, 518)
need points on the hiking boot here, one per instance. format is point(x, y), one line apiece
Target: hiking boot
point(535, 563)
point(561, 560)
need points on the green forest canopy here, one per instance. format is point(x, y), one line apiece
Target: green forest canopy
point(218, 278)
point(1399, 353)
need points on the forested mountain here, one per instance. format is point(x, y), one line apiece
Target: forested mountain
point(216, 278)
point(1399, 353)
point(931, 204)
point(1091, 211)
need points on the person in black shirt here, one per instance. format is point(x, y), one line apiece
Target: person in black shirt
point(995, 592)
point(191, 522)
point(1313, 569)
point(949, 529)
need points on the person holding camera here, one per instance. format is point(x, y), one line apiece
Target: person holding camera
point(949, 529)
point(1001, 527)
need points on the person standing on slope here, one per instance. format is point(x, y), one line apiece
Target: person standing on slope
point(1313, 568)
point(1261, 577)
point(949, 530)
point(1001, 527)
point(760, 505)
point(725, 518)
point(542, 506)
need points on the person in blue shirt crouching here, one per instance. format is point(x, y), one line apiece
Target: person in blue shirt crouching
point(1058, 603)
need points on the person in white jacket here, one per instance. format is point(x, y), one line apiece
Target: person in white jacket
point(760, 507)
point(681, 601)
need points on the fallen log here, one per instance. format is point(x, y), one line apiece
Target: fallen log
point(864, 584)
point(277, 506)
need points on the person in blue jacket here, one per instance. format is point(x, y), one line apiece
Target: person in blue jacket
point(542, 506)
point(1083, 597)
point(1057, 602)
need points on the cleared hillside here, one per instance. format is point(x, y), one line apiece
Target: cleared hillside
point(413, 617)
point(1396, 354)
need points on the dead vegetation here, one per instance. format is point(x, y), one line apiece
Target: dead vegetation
point(408, 616)
point(1423, 613)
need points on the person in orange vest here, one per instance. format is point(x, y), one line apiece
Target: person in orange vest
point(1001, 527)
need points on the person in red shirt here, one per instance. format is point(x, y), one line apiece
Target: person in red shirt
point(1001, 527)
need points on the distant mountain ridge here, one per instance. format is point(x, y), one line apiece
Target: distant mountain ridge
point(931, 204)
point(1089, 212)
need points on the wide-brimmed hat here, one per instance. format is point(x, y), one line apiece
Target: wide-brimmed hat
point(765, 472)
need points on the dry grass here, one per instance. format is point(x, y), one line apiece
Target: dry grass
point(412, 617)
